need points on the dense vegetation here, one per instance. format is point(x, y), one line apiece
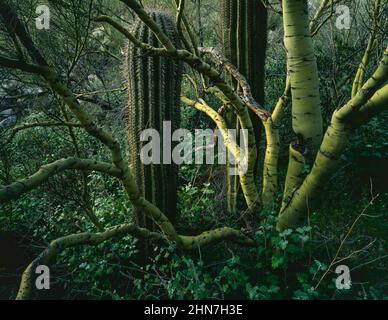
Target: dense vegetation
point(74, 195)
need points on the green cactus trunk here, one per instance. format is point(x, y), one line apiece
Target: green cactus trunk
point(244, 36)
point(244, 27)
point(154, 85)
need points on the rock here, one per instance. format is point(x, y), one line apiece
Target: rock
point(7, 113)
point(8, 122)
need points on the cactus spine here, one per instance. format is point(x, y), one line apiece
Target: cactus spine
point(154, 85)
point(244, 37)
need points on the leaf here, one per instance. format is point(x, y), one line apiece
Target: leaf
point(277, 261)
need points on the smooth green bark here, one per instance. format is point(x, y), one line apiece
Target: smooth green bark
point(303, 73)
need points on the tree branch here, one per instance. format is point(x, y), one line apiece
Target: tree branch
point(215, 236)
point(375, 105)
point(359, 79)
point(15, 26)
point(24, 126)
point(21, 65)
point(18, 188)
point(365, 103)
point(246, 94)
point(50, 254)
point(379, 77)
point(229, 141)
point(145, 46)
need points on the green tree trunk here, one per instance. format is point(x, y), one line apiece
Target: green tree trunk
point(303, 72)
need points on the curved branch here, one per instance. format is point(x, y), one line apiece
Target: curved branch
point(375, 105)
point(246, 94)
point(215, 236)
point(378, 79)
point(18, 188)
point(24, 126)
point(248, 188)
point(202, 106)
point(278, 111)
point(271, 159)
point(145, 46)
point(50, 254)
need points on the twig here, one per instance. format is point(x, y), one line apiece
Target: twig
point(334, 261)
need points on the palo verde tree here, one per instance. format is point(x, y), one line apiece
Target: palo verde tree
point(316, 148)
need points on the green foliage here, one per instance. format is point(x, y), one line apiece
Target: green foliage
point(262, 273)
point(283, 266)
point(201, 199)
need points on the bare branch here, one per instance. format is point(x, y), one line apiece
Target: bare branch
point(145, 46)
point(24, 126)
point(18, 188)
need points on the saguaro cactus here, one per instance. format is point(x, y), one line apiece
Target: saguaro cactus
point(154, 85)
point(244, 36)
point(244, 27)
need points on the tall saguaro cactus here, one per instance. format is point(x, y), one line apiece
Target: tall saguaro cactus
point(244, 26)
point(244, 36)
point(154, 85)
